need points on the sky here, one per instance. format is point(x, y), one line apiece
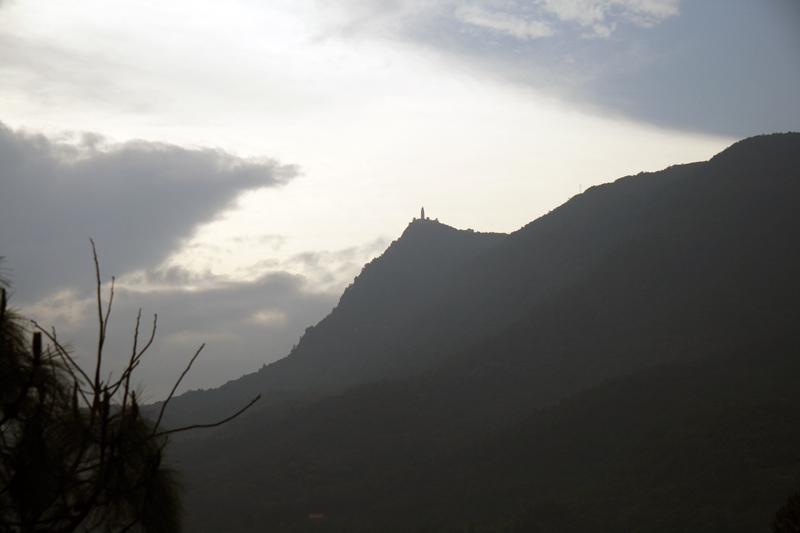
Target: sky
point(237, 163)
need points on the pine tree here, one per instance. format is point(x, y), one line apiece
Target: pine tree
point(787, 519)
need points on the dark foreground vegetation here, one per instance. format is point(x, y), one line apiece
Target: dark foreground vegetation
point(76, 452)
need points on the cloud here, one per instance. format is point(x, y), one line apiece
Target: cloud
point(138, 200)
point(244, 325)
point(546, 18)
point(503, 23)
point(325, 270)
point(595, 13)
point(724, 67)
point(519, 20)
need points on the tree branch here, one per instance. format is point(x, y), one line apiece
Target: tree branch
point(174, 387)
point(198, 426)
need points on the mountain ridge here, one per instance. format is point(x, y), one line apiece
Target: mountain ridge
point(497, 284)
point(681, 294)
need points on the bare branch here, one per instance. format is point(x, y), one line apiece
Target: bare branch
point(101, 337)
point(174, 387)
point(125, 378)
point(135, 357)
point(71, 366)
point(108, 309)
point(150, 340)
point(215, 424)
point(99, 435)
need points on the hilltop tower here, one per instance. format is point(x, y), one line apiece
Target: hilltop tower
point(422, 214)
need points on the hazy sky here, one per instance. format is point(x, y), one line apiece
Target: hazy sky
point(238, 162)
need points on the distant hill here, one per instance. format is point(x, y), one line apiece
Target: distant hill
point(627, 362)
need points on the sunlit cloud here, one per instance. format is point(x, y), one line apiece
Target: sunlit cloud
point(601, 14)
point(545, 18)
point(504, 23)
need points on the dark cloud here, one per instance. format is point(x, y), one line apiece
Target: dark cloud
point(244, 325)
point(137, 200)
point(726, 67)
point(730, 68)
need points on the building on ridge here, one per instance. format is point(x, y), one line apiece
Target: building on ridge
point(421, 213)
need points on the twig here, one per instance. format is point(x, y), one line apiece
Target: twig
point(71, 365)
point(174, 387)
point(198, 426)
point(101, 337)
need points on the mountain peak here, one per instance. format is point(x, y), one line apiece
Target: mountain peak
point(421, 261)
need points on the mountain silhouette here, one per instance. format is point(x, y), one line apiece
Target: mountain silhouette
point(577, 374)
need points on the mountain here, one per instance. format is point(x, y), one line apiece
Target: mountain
point(358, 340)
point(579, 374)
